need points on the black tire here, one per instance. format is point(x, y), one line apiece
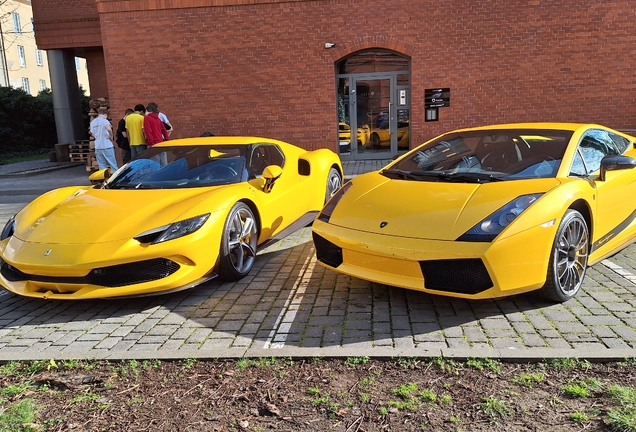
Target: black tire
point(238, 244)
point(375, 141)
point(334, 182)
point(568, 260)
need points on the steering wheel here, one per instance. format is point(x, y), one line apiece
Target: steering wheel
point(220, 172)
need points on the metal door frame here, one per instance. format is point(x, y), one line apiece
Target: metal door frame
point(353, 118)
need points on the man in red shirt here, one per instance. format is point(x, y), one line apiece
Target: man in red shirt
point(154, 128)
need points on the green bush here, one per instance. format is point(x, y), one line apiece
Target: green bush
point(27, 123)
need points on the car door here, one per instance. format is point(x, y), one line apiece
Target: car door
point(287, 201)
point(616, 196)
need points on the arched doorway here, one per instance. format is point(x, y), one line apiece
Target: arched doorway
point(373, 91)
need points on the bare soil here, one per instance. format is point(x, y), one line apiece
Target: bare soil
point(355, 394)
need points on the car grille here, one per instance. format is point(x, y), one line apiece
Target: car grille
point(465, 276)
point(113, 276)
point(327, 252)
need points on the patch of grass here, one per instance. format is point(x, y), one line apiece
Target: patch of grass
point(406, 362)
point(355, 361)
point(84, 397)
point(12, 391)
point(409, 404)
point(445, 398)
point(188, 363)
point(30, 157)
point(427, 396)
point(622, 419)
point(528, 379)
point(17, 416)
point(485, 363)
point(566, 363)
point(495, 408)
point(314, 390)
point(405, 391)
point(155, 363)
point(446, 365)
point(127, 369)
point(576, 390)
point(244, 363)
point(383, 411)
point(579, 416)
point(364, 397)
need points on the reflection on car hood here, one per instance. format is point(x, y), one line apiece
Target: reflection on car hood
point(91, 216)
point(425, 210)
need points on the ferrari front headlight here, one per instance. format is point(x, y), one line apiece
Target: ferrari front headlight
point(490, 227)
point(172, 231)
point(326, 212)
point(9, 229)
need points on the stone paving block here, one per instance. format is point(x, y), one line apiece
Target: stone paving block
point(107, 343)
point(456, 342)
point(532, 340)
point(570, 327)
point(626, 333)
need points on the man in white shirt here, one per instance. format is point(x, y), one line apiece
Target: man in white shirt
point(102, 130)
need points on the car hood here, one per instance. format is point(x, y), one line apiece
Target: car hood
point(89, 216)
point(424, 209)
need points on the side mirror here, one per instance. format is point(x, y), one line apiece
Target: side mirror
point(615, 163)
point(99, 177)
point(271, 173)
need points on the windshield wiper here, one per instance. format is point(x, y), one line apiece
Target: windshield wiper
point(470, 177)
point(407, 175)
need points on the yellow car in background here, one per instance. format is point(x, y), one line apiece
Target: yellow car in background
point(179, 214)
point(380, 137)
point(487, 212)
point(344, 134)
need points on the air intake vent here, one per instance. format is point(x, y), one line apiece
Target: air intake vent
point(465, 276)
point(327, 252)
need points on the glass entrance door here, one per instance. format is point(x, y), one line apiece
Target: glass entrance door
point(373, 117)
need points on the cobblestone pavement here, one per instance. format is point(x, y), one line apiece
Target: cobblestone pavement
point(291, 306)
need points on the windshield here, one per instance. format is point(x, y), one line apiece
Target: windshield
point(181, 167)
point(486, 155)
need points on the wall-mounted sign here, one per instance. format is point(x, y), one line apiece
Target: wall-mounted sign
point(437, 98)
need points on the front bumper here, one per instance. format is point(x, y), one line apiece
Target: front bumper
point(475, 270)
point(115, 269)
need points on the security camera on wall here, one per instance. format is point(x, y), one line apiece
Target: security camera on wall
point(329, 45)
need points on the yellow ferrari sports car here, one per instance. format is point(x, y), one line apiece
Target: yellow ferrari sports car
point(177, 215)
point(487, 212)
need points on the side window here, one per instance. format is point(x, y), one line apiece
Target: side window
point(262, 156)
point(594, 146)
point(578, 166)
point(621, 143)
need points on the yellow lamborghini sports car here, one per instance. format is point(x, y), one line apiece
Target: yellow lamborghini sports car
point(487, 212)
point(179, 214)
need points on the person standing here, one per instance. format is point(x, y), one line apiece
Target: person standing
point(154, 128)
point(166, 122)
point(122, 137)
point(102, 130)
point(135, 130)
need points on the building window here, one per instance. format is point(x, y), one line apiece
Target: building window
point(38, 57)
point(78, 66)
point(42, 85)
point(21, 56)
point(17, 28)
point(33, 25)
point(25, 85)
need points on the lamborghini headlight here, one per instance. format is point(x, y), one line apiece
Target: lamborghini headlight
point(172, 231)
point(8, 229)
point(326, 212)
point(490, 227)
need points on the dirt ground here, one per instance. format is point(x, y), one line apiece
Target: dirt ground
point(354, 394)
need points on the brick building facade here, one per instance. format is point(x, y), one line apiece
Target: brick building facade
point(261, 67)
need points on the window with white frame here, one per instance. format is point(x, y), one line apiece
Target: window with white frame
point(25, 85)
point(38, 57)
point(21, 56)
point(42, 85)
point(17, 27)
point(78, 66)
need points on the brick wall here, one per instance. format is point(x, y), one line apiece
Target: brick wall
point(66, 24)
point(262, 69)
